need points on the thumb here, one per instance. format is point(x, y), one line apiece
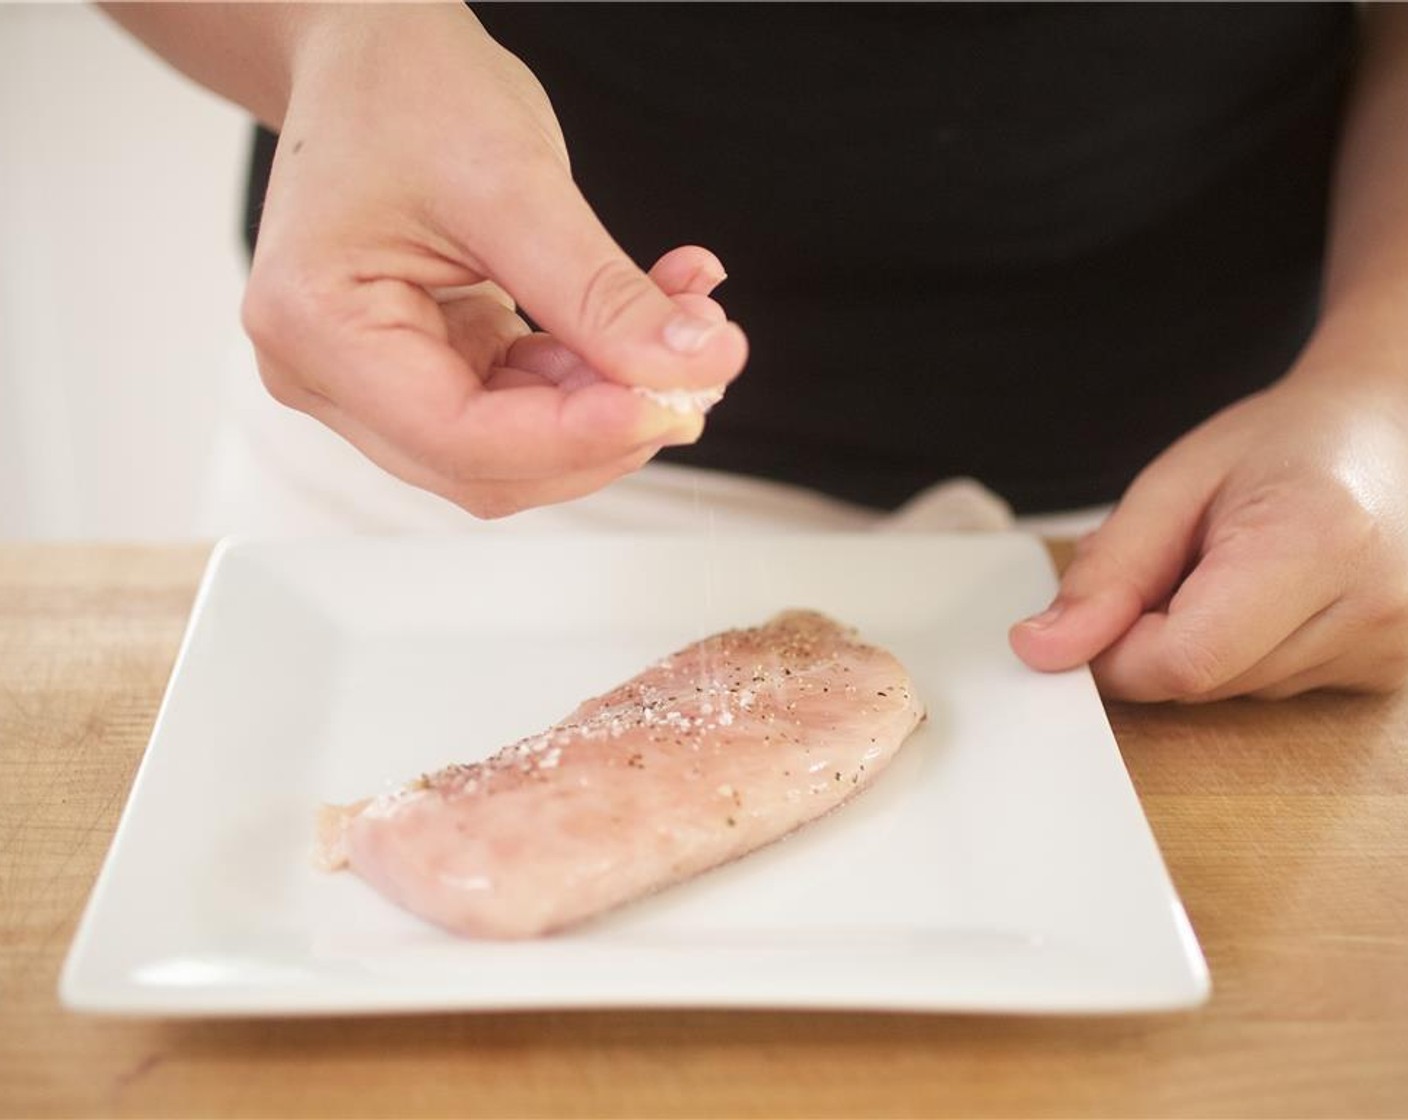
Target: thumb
point(1128, 566)
point(547, 247)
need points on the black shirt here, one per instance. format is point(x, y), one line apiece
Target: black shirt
point(1030, 244)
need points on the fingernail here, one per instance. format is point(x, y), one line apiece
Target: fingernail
point(1045, 618)
point(713, 277)
point(686, 334)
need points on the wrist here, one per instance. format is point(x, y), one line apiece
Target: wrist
point(1359, 344)
point(368, 44)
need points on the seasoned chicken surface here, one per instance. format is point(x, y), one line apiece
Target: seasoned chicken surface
point(718, 749)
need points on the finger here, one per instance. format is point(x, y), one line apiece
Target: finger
point(481, 329)
point(1333, 649)
point(484, 288)
point(419, 395)
point(1244, 599)
point(677, 427)
point(689, 268)
point(509, 377)
point(503, 499)
point(1308, 680)
point(543, 354)
point(530, 431)
point(1314, 644)
point(1337, 675)
point(483, 498)
point(1126, 567)
point(548, 249)
point(701, 306)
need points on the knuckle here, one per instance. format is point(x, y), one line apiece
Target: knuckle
point(1359, 518)
point(488, 503)
point(261, 317)
point(1385, 602)
point(1190, 667)
point(1390, 674)
point(1385, 661)
point(1388, 611)
point(280, 303)
point(282, 387)
point(613, 289)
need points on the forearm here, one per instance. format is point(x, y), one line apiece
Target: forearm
point(244, 52)
point(1364, 321)
point(248, 53)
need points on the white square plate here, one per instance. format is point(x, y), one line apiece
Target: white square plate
point(1001, 864)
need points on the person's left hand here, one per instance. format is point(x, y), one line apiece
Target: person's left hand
point(1264, 554)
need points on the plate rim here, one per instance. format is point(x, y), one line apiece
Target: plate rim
point(79, 991)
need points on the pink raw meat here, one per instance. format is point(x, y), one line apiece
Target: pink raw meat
point(717, 750)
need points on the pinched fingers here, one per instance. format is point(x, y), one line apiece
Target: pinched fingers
point(485, 497)
point(447, 389)
point(542, 354)
point(687, 274)
point(401, 381)
point(575, 281)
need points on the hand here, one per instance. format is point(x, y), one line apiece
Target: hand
point(421, 186)
point(1264, 554)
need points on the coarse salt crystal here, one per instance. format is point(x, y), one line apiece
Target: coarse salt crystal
point(683, 401)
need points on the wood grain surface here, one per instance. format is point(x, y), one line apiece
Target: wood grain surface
point(1285, 827)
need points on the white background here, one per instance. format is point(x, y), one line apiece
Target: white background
point(120, 277)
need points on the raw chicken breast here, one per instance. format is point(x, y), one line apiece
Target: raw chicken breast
point(715, 751)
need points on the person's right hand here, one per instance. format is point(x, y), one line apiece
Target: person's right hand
point(420, 188)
